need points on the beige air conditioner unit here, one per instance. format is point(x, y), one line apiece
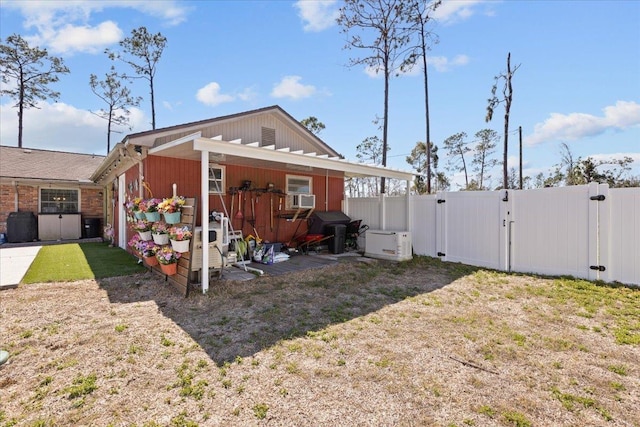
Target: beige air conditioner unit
point(301, 201)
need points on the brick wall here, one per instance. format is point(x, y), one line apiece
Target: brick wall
point(28, 201)
point(92, 202)
point(28, 197)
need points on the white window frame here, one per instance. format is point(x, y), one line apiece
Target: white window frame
point(301, 177)
point(222, 181)
point(62, 202)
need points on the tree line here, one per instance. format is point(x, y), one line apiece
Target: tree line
point(28, 72)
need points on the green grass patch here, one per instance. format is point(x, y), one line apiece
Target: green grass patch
point(73, 261)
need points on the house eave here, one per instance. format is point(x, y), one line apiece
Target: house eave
point(191, 146)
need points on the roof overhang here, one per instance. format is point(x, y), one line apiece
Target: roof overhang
point(234, 152)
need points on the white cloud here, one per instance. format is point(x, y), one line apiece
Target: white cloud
point(247, 94)
point(318, 15)
point(615, 156)
point(443, 64)
point(65, 26)
point(290, 87)
point(210, 95)
point(63, 127)
point(573, 126)
point(374, 72)
point(85, 39)
point(450, 12)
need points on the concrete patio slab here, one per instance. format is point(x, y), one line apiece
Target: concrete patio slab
point(14, 263)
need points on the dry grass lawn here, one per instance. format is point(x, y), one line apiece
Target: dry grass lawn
point(382, 344)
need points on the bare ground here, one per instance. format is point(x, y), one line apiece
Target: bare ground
point(421, 343)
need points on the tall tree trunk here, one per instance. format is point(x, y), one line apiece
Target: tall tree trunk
point(385, 125)
point(426, 111)
point(507, 109)
point(109, 130)
point(20, 111)
point(153, 105)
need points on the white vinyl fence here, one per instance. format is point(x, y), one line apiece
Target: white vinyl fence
point(588, 231)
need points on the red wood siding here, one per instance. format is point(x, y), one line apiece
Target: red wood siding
point(161, 172)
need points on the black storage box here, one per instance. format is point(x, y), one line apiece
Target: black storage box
point(22, 227)
point(337, 242)
point(319, 220)
point(90, 228)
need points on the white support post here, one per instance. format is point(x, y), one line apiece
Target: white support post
point(383, 211)
point(204, 190)
point(409, 207)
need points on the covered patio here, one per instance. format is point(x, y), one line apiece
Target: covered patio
point(194, 147)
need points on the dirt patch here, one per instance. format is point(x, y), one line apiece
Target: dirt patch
point(420, 343)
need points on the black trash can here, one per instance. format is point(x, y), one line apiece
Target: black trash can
point(339, 233)
point(22, 227)
point(91, 228)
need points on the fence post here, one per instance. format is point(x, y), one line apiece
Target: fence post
point(599, 231)
point(441, 226)
point(507, 243)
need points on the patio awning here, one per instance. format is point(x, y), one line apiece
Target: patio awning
point(195, 147)
point(252, 154)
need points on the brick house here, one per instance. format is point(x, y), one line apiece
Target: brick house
point(55, 186)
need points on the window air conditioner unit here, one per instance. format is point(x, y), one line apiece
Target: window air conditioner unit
point(301, 201)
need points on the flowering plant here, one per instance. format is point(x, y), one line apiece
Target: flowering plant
point(148, 248)
point(133, 205)
point(141, 225)
point(166, 255)
point(160, 227)
point(149, 205)
point(133, 242)
point(180, 233)
point(171, 205)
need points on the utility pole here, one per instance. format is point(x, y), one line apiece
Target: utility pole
point(520, 134)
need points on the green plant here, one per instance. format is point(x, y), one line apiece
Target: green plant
point(517, 419)
point(121, 328)
point(487, 410)
point(82, 386)
point(260, 410)
point(166, 341)
point(618, 369)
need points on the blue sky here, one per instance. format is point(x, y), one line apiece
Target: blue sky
point(578, 81)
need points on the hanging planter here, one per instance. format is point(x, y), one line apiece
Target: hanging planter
point(172, 217)
point(138, 214)
point(152, 216)
point(169, 269)
point(151, 260)
point(180, 245)
point(145, 235)
point(160, 239)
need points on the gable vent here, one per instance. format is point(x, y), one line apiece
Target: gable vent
point(268, 136)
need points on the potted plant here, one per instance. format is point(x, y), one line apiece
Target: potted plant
point(133, 206)
point(159, 232)
point(150, 209)
point(148, 250)
point(143, 228)
point(171, 208)
point(168, 259)
point(180, 237)
point(133, 244)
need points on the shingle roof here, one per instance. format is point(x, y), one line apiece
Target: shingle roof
point(30, 163)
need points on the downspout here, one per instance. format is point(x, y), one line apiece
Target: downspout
point(15, 196)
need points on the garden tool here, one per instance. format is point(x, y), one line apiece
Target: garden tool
point(239, 214)
point(271, 211)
